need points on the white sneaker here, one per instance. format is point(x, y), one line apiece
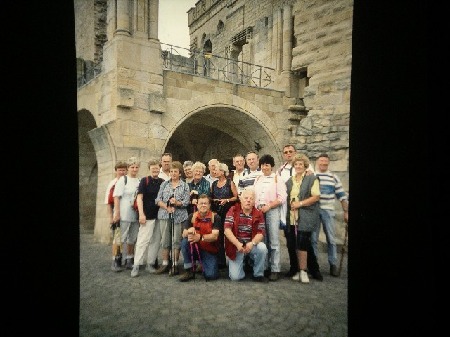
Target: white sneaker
point(135, 271)
point(296, 277)
point(150, 269)
point(304, 276)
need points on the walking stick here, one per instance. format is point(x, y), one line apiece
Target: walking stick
point(172, 228)
point(194, 265)
point(344, 248)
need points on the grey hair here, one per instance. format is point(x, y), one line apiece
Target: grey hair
point(133, 161)
point(187, 163)
point(199, 165)
point(224, 167)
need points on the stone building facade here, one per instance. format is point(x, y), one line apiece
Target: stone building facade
point(260, 74)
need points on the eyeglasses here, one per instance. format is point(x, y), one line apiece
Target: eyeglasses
point(288, 151)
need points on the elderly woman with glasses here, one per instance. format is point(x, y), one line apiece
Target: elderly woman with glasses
point(187, 170)
point(199, 185)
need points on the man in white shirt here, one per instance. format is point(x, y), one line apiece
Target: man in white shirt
point(212, 165)
point(250, 174)
point(286, 170)
point(166, 161)
point(239, 164)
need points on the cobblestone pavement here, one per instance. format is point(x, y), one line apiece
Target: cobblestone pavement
point(114, 304)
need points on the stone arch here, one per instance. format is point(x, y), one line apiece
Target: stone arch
point(88, 171)
point(220, 130)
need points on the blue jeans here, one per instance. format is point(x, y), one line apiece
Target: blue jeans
point(236, 267)
point(272, 240)
point(208, 260)
point(327, 220)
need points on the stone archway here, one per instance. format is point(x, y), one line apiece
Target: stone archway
point(219, 131)
point(88, 171)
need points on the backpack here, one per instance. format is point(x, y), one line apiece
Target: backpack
point(135, 205)
point(110, 195)
point(211, 247)
point(195, 214)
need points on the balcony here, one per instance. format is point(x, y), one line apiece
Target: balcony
point(215, 67)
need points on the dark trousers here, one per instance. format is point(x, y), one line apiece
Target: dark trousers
point(304, 243)
point(221, 260)
point(291, 241)
point(289, 233)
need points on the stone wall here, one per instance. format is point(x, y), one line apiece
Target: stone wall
point(137, 108)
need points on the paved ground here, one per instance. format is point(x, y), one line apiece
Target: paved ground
point(114, 304)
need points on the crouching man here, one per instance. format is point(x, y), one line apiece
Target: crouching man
point(200, 241)
point(244, 231)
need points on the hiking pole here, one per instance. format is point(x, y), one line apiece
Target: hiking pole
point(344, 248)
point(193, 260)
point(172, 225)
point(171, 242)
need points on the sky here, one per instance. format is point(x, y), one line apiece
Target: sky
point(173, 22)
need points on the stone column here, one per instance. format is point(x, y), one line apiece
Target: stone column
point(233, 68)
point(287, 38)
point(286, 73)
point(111, 20)
point(276, 40)
point(122, 18)
point(154, 9)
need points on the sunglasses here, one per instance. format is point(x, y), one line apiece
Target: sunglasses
point(288, 151)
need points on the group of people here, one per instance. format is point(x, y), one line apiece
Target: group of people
point(225, 219)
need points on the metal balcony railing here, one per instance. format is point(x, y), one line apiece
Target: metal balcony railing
point(215, 67)
point(201, 64)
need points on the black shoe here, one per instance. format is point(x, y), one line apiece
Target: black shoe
point(129, 263)
point(261, 279)
point(317, 276)
point(334, 270)
point(266, 273)
point(290, 273)
point(116, 266)
point(162, 269)
point(174, 271)
point(188, 275)
point(273, 276)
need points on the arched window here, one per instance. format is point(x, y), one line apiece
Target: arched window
point(220, 27)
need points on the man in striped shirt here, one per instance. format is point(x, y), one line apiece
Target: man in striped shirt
point(330, 189)
point(249, 175)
